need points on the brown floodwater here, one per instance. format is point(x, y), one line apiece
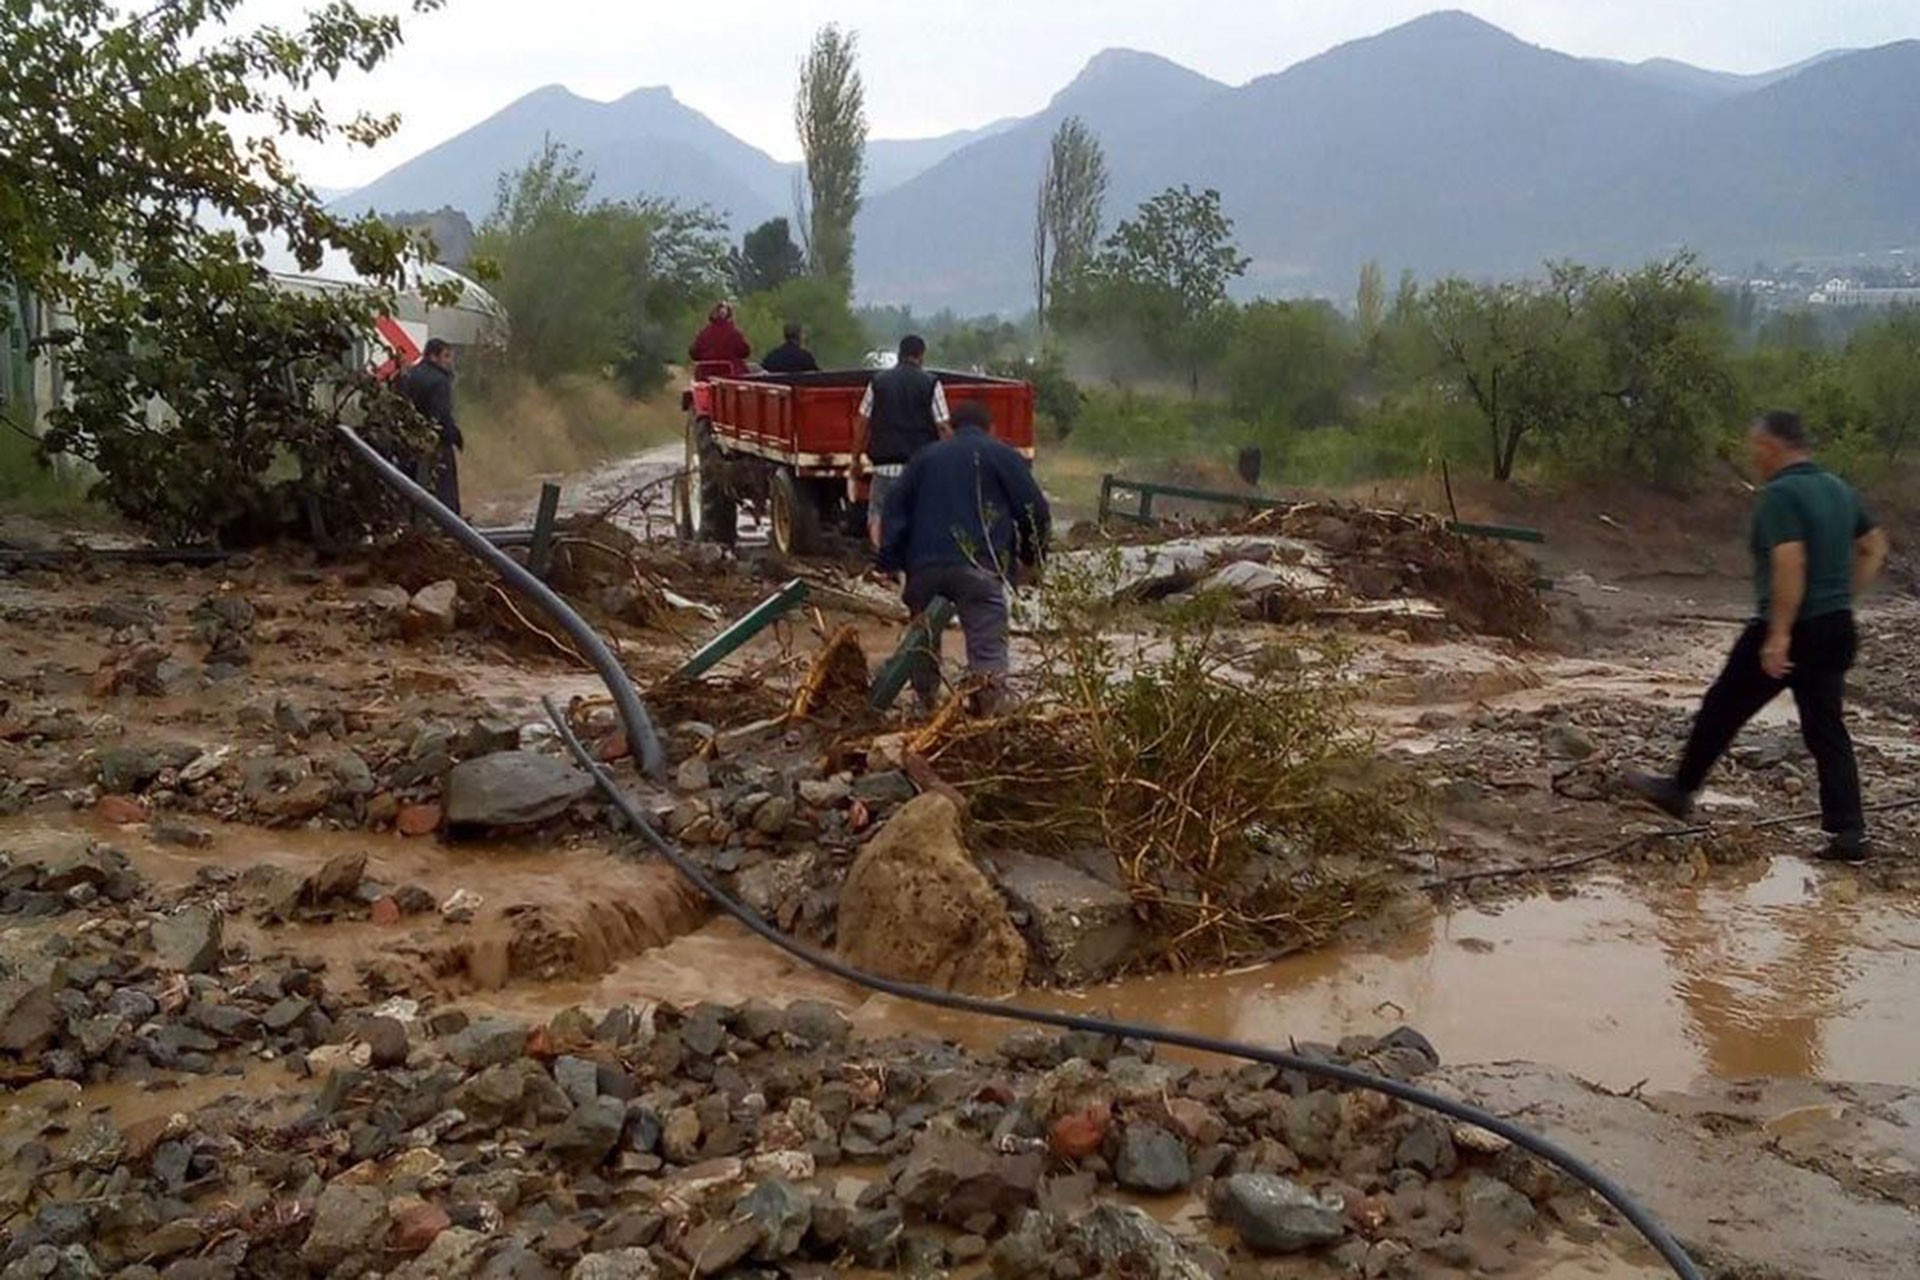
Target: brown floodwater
point(1777, 969)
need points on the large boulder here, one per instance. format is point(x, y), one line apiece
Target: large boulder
point(1083, 929)
point(916, 908)
point(512, 789)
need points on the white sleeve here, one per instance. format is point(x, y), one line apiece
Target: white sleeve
point(866, 403)
point(940, 404)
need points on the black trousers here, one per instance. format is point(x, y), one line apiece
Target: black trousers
point(1822, 650)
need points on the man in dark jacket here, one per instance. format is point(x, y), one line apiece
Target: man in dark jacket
point(791, 356)
point(428, 387)
point(902, 413)
point(965, 517)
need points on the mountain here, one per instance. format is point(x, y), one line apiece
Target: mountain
point(1449, 145)
point(1704, 83)
point(645, 144)
point(961, 232)
point(894, 161)
point(1445, 144)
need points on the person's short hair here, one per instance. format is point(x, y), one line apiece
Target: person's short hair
point(912, 347)
point(435, 346)
point(972, 413)
point(793, 330)
point(1783, 425)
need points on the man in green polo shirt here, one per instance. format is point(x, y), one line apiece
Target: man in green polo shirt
point(1815, 550)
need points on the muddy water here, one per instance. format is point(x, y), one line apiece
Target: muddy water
point(1765, 971)
point(1777, 971)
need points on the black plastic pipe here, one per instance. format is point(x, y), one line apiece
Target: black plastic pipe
point(639, 727)
point(640, 734)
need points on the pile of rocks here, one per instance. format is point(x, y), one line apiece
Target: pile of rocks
point(758, 1140)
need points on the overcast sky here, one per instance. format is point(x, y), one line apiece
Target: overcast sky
point(931, 67)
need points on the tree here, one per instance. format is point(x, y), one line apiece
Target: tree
point(834, 336)
point(1164, 274)
point(135, 202)
point(1068, 211)
point(1516, 353)
point(1885, 357)
point(1665, 375)
point(830, 115)
point(766, 259)
point(1290, 363)
point(1370, 304)
point(596, 285)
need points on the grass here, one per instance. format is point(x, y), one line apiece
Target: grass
point(29, 486)
point(519, 431)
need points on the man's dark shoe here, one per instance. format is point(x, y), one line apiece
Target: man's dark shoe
point(1848, 846)
point(1663, 794)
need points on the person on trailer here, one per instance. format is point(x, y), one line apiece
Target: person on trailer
point(721, 342)
point(966, 520)
point(428, 387)
point(791, 356)
point(904, 411)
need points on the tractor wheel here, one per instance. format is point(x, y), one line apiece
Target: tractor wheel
point(705, 485)
point(796, 515)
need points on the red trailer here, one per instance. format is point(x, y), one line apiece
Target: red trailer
point(783, 444)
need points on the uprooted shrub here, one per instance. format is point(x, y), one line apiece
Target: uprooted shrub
point(1247, 814)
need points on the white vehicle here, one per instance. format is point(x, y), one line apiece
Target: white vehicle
point(882, 359)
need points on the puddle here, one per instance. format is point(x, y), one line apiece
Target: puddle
point(1764, 971)
point(1767, 972)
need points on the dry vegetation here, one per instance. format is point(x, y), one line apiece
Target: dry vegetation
point(517, 428)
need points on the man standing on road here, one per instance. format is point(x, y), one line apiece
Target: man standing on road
point(904, 411)
point(964, 517)
point(1815, 550)
point(428, 387)
point(791, 356)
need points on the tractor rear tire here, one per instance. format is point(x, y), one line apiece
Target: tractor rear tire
point(706, 484)
point(796, 515)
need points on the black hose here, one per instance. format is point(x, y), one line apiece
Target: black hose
point(640, 734)
point(640, 730)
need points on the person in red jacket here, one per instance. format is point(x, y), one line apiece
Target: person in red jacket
point(721, 342)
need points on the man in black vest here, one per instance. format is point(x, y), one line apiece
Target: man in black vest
point(904, 411)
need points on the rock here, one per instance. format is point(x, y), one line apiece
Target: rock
point(694, 774)
point(187, 941)
point(815, 1024)
point(416, 1227)
point(1277, 1215)
point(29, 1019)
point(915, 907)
point(461, 906)
point(1151, 1160)
point(338, 877)
point(454, 1255)
point(346, 1220)
point(590, 1134)
point(511, 789)
point(772, 815)
point(433, 610)
point(577, 1078)
point(1564, 742)
point(1427, 1148)
point(873, 1237)
point(1121, 1240)
point(704, 1032)
point(781, 1213)
point(716, 1247)
point(386, 1041)
point(417, 820)
point(889, 787)
point(490, 1042)
point(182, 833)
point(1311, 1123)
point(680, 1135)
point(89, 864)
point(824, 793)
point(120, 811)
point(1494, 1211)
point(1082, 929)
point(618, 1264)
point(126, 769)
point(951, 1179)
point(1080, 1134)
